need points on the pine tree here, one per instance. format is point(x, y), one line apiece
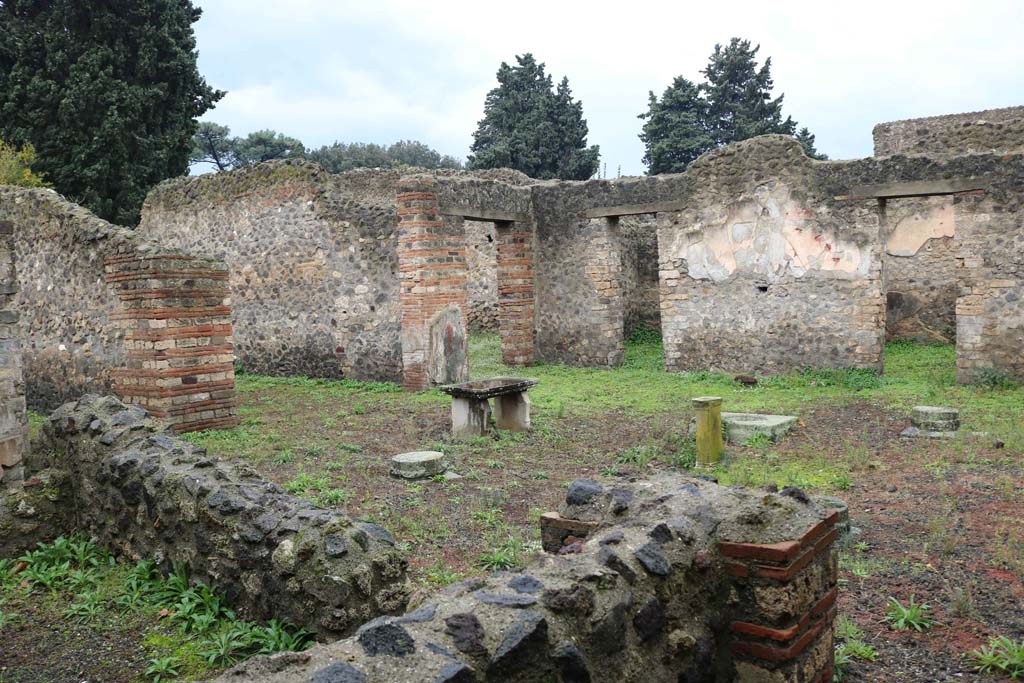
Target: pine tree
point(733, 103)
point(106, 91)
point(675, 132)
point(739, 95)
point(533, 127)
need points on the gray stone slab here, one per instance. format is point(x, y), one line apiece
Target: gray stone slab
point(419, 464)
point(740, 427)
point(935, 418)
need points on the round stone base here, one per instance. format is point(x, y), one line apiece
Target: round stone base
point(419, 464)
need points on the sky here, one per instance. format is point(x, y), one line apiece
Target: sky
point(385, 70)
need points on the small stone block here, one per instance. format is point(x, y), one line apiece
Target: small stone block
point(935, 419)
point(740, 427)
point(419, 464)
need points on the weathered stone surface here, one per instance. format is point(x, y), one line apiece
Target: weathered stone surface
point(741, 427)
point(106, 311)
point(587, 622)
point(149, 494)
point(419, 464)
point(935, 419)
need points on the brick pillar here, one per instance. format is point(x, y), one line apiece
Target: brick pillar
point(782, 629)
point(13, 417)
point(432, 289)
point(179, 360)
point(515, 292)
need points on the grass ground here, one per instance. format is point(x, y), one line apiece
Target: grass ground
point(941, 520)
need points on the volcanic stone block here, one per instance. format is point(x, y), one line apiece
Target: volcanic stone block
point(419, 464)
point(741, 427)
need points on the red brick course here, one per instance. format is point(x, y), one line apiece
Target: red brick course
point(176, 319)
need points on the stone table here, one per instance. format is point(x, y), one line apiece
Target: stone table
point(471, 410)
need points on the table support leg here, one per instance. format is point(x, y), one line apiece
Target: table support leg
point(512, 412)
point(470, 417)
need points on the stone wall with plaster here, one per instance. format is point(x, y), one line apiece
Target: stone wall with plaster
point(679, 580)
point(920, 269)
point(101, 309)
point(994, 131)
point(763, 271)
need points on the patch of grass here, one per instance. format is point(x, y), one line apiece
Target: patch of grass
point(191, 630)
point(912, 616)
point(1001, 655)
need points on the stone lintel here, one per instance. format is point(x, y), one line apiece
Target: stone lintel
point(633, 209)
point(916, 188)
point(479, 213)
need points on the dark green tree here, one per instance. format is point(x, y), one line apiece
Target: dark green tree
point(739, 95)
point(533, 127)
point(806, 138)
point(213, 144)
point(413, 153)
point(342, 156)
point(733, 103)
point(266, 145)
point(675, 130)
point(106, 91)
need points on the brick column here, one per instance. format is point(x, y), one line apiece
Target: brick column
point(13, 417)
point(432, 283)
point(179, 360)
point(782, 629)
point(515, 292)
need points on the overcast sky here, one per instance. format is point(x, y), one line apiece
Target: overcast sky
point(384, 70)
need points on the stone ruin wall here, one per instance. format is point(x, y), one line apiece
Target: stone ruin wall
point(107, 469)
point(678, 579)
point(13, 416)
point(314, 272)
point(995, 131)
point(990, 268)
point(101, 310)
point(920, 275)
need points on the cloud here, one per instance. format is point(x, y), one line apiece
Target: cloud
point(378, 72)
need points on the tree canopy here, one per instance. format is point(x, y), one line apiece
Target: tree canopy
point(533, 127)
point(733, 103)
point(212, 144)
point(107, 92)
point(342, 156)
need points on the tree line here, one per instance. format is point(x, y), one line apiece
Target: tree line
point(101, 101)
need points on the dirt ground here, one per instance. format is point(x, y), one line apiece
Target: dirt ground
point(939, 520)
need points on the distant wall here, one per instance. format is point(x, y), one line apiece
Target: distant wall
point(764, 272)
point(994, 131)
point(102, 310)
point(580, 317)
point(638, 236)
point(920, 269)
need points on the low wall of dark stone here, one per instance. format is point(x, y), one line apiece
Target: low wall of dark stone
point(147, 494)
point(679, 580)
